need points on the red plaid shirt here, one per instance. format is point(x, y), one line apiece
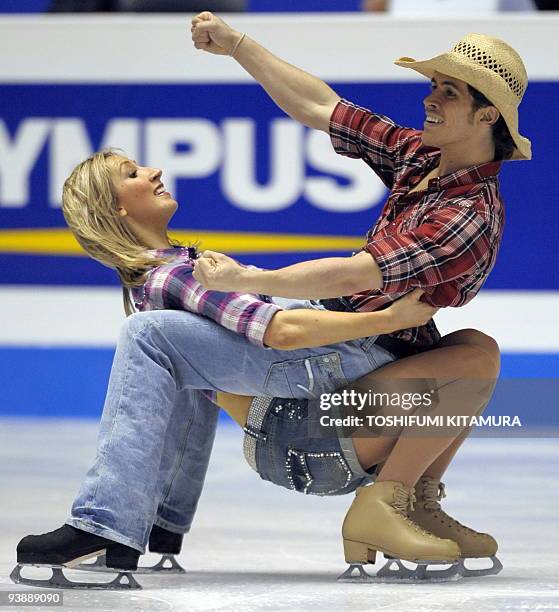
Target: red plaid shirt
point(443, 239)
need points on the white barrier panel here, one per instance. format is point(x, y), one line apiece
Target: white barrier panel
point(339, 47)
point(40, 316)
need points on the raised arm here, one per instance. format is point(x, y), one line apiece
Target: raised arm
point(304, 97)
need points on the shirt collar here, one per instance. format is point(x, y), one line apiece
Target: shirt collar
point(465, 176)
point(178, 251)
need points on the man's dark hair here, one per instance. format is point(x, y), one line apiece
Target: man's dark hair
point(504, 144)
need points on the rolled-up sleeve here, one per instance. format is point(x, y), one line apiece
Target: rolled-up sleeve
point(174, 287)
point(359, 133)
point(452, 242)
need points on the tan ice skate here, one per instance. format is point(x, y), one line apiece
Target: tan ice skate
point(428, 514)
point(378, 521)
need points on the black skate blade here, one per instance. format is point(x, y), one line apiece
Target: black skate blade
point(402, 574)
point(124, 581)
point(167, 565)
point(495, 568)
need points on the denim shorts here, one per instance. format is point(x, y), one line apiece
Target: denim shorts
point(277, 445)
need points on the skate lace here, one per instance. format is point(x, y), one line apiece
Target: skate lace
point(403, 501)
point(433, 493)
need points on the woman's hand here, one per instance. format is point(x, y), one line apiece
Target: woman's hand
point(409, 311)
point(219, 272)
point(212, 34)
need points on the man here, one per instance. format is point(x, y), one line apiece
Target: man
point(440, 230)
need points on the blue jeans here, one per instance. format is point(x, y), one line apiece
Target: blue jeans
point(157, 427)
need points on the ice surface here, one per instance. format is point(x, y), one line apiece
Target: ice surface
point(255, 546)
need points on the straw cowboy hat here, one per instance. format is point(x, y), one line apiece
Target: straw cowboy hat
point(493, 68)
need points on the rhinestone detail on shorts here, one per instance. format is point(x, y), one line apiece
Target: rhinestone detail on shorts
point(256, 414)
point(301, 458)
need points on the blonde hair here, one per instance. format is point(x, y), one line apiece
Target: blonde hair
point(90, 207)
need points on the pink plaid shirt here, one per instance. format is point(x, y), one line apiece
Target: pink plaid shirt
point(172, 286)
point(443, 239)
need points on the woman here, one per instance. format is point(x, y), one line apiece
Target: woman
point(119, 212)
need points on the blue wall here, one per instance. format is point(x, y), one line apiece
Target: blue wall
point(255, 6)
point(24, 6)
point(528, 257)
point(72, 383)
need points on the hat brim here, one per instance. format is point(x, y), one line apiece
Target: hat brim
point(481, 78)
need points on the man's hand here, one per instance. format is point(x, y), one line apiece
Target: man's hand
point(212, 34)
point(410, 311)
point(218, 272)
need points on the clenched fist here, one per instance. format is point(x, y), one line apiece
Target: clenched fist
point(219, 272)
point(212, 34)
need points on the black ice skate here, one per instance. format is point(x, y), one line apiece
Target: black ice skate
point(161, 541)
point(67, 547)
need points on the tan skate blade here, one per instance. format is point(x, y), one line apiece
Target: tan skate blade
point(361, 552)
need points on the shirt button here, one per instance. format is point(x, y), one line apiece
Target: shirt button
point(326, 360)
